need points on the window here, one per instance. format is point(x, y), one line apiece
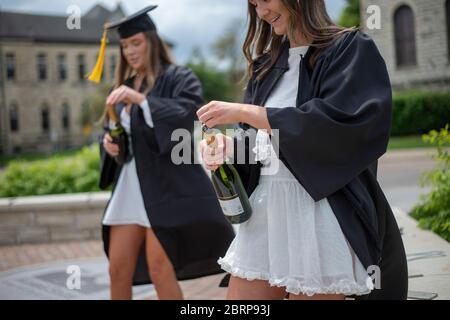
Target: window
point(114, 65)
point(405, 37)
point(14, 118)
point(42, 66)
point(65, 117)
point(45, 118)
point(10, 66)
point(447, 9)
point(81, 67)
point(62, 66)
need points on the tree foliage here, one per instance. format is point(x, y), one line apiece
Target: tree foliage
point(350, 16)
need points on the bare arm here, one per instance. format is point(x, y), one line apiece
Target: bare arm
point(218, 112)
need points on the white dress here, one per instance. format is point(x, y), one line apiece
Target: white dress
point(126, 205)
point(292, 241)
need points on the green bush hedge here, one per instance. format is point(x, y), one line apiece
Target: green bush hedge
point(434, 211)
point(60, 174)
point(419, 112)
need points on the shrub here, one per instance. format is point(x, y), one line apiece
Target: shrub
point(434, 211)
point(57, 175)
point(419, 112)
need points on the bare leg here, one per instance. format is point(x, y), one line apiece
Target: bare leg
point(161, 270)
point(124, 245)
point(241, 289)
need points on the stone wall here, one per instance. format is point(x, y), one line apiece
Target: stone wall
point(53, 218)
point(432, 71)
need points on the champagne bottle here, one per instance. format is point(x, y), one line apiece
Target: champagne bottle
point(229, 189)
point(118, 135)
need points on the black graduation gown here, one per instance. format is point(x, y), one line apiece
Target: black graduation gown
point(331, 142)
point(180, 201)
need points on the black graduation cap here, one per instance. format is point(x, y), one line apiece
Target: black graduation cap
point(127, 27)
point(135, 23)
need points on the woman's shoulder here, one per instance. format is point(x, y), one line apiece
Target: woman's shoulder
point(178, 71)
point(352, 41)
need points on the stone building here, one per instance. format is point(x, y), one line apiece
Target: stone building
point(414, 39)
point(43, 88)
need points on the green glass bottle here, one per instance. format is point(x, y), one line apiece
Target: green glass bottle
point(118, 135)
point(229, 188)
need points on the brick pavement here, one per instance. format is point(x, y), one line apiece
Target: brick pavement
point(31, 254)
point(35, 254)
point(206, 288)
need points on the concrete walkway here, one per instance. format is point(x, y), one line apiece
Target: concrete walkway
point(428, 260)
point(55, 281)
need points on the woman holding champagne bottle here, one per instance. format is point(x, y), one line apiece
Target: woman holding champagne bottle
point(321, 225)
point(163, 222)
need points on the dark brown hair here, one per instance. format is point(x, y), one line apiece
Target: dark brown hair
point(308, 16)
point(159, 54)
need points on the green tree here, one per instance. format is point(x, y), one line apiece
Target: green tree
point(434, 211)
point(215, 83)
point(350, 16)
point(221, 73)
point(227, 49)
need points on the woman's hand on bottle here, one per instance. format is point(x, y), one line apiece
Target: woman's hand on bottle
point(214, 155)
point(126, 95)
point(221, 113)
point(111, 148)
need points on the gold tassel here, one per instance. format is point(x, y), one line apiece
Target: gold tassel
point(96, 74)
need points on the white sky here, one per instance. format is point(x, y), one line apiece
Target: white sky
point(186, 23)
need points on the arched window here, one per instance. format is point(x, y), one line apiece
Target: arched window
point(405, 37)
point(14, 117)
point(447, 9)
point(45, 118)
point(65, 117)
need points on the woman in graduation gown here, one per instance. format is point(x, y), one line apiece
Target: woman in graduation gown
point(163, 221)
point(320, 95)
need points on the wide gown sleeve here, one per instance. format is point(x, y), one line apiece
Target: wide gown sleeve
point(108, 166)
point(331, 139)
point(176, 111)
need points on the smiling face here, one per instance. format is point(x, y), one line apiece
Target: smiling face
point(275, 13)
point(304, 22)
point(136, 51)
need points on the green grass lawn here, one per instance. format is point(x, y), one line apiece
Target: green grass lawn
point(407, 142)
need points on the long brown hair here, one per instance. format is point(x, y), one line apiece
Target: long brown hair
point(159, 55)
point(308, 16)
